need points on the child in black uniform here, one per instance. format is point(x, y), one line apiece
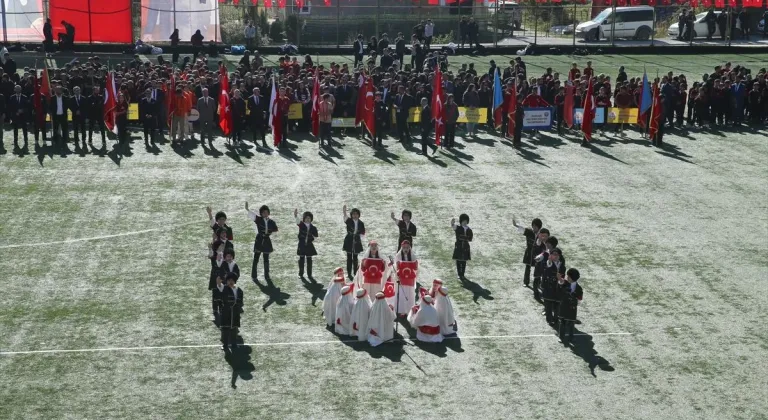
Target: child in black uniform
point(353, 242)
point(217, 298)
point(219, 222)
point(461, 249)
point(407, 230)
point(216, 254)
point(265, 227)
point(571, 294)
point(307, 235)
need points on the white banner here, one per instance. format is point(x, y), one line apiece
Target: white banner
point(537, 118)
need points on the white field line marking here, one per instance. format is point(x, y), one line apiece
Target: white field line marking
point(289, 343)
point(96, 238)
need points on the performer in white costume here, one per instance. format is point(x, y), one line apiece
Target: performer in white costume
point(444, 307)
point(406, 267)
point(344, 311)
point(331, 298)
point(361, 311)
point(424, 318)
point(373, 270)
point(381, 323)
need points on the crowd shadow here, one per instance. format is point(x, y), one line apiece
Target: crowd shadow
point(275, 295)
point(240, 361)
point(584, 346)
point(211, 150)
point(477, 290)
point(329, 154)
point(392, 350)
point(548, 140)
point(316, 289)
point(672, 151)
point(526, 152)
point(385, 155)
point(592, 146)
point(484, 141)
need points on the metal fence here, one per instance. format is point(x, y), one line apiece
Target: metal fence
point(340, 21)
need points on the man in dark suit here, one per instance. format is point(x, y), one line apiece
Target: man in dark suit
point(383, 44)
point(10, 67)
point(257, 107)
point(161, 116)
point(78, 104)
point(358, 49)
point(18, 110)
point(426, 122)
point(238, 107)
point(402, 104)
point(147, 113)
point(57, 107)
point(96, 114)
point(206, 106)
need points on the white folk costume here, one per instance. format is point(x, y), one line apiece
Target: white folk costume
point(344, 311)
point(406, 265)
point(373, 271)
point(424, 318)
point(381, 323)
point(331, 298)
point(436, 285)
point(361, 311)
point(444, 307)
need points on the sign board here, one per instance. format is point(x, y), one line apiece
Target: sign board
point(578, 115)
point(537, 118)
point(622, 116)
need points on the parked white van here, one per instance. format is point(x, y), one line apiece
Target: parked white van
point(630, 22)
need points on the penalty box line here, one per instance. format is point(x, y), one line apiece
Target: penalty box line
point(289, 343)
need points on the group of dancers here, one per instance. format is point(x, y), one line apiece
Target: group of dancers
point(394, 279)
point(557, 288)
point(380, 288)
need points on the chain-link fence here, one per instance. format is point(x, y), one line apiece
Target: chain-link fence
point(338, 22)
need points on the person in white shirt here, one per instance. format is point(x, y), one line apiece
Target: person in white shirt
point(230, 318)
point(217, 298)
point(250, 34)
point(429, 31)
point(265, 227)
point(353, 241)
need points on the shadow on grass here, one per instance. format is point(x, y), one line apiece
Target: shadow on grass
point(477, 290)
point(584, 347)
point(392, 350)
point(316, 289)
point(273, 293)
point(240, 361)
point(674, 152)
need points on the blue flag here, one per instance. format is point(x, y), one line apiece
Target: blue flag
point(498, 100)
point(645, 96)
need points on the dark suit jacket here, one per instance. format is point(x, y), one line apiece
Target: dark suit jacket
point(76, 104)
point(53, 103)
point(147, 107)
point(426, 119)
point(257, 111)
point(16, 104)
point(96, 107)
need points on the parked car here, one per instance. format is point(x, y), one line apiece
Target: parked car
point(627, 22)
point(699, 27)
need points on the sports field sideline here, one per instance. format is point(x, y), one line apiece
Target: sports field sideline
point(106, 312)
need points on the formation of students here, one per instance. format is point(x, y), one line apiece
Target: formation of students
point(379, 289)
point(557, 288)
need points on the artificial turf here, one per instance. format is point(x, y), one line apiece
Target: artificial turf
point(670, 243)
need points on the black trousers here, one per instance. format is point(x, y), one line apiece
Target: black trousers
point(78, 127)
point(450, 134)
point(403, 132)
point(566, 325)
point(255, 266)
point(60, 129)
point(99, 122)
point(352, 264)
point(228, 336)
point(237, 131)
point(308, 260)
point(259, 131)
point(549, 310)
point(149, 131)
point(527, 275)
point(40, 128)
point(358, 59)
point(19, 122)
point(536, 284)
point(325, 133)
point(461, 268)
point(122, 129)
point(426, 141)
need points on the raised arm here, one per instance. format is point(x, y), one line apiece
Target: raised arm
point(296, 216)
point(251, 215)
point(344, 212)
point(520, 229)
point(392, 215)
point(453, 224)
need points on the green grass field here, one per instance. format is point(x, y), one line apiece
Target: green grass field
point(106, 313)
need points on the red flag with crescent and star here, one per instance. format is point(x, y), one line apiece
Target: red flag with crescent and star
point(437, 106)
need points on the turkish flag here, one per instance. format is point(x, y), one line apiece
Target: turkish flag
point(406, 272)
point(655, 114)
point(373, 270)
point(369, 112)
point(589, 113)
point(389, 289)
point(110, 103)
point(511, 111)
point(437, 106)
point(720, 4)
point(316, 105)
point(568, 105)
point(225, 110)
